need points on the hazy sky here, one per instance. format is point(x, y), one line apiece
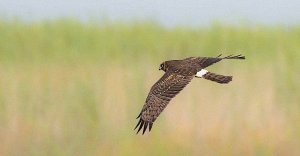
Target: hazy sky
point(167, 12)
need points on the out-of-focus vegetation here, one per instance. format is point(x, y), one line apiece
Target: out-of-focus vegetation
point(68, 88)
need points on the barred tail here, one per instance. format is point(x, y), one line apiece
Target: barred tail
point(217, 78)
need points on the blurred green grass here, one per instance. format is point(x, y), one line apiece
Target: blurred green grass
point(71, 88)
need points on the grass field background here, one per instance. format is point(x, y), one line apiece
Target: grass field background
point(71, 88)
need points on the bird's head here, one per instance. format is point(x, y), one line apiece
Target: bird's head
point(163, 66)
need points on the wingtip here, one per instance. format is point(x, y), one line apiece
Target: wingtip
point(143, 126)
point(138, 124)
point(150, 126)
point(138, 116)
point(242, 57)
point(234, 57)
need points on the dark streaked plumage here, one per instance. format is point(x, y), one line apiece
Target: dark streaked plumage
point(178, 73)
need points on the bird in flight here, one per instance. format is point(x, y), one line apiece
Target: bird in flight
point(178, 73)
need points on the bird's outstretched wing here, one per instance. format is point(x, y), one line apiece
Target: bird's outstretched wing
point(207, 61)
point(167, 87)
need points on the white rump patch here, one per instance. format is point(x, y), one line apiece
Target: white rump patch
point(201, 73)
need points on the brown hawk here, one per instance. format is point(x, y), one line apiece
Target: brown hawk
point(178, 73)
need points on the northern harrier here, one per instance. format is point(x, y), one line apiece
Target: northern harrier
point(178, 73)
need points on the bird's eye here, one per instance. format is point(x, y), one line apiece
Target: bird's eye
point(161, 66)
